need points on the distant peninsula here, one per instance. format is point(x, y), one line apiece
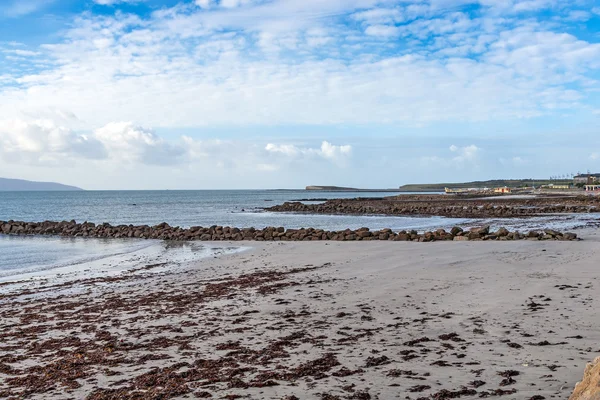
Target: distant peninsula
point(19, 185)
point(348, 189)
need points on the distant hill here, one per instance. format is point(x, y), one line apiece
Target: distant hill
point(512, 183)
point(17, 185)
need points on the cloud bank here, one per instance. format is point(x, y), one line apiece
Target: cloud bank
point(238, 62)
point(182, 74)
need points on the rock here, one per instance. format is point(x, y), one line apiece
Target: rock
point(473, 235)
point(456, 230)
point(589, 387)
point(569, 236)
point(502, 232)
point(552, 232)
point(482, 231)
point(402, 237)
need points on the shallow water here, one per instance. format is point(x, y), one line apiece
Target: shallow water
point(35, 257)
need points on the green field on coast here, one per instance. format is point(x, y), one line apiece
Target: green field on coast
point(512, 183)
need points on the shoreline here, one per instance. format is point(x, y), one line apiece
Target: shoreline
point(309, 320)
point(157, 253)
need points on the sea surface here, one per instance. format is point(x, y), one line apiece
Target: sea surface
point(240, 208)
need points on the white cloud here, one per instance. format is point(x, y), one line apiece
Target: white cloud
point(127, 142)
point(115, 2)
point(382, 30)
point(578, 15)
point(334, 152)
point(327, 151)
point(22, 53)
point(286, 149)
point(235, 3)
point(379, 16)
point(465, 154)
point(595, 156)
point(19, 8)
point(45, 143)
point(205, 3)
point(514, 161)
point(123, 144)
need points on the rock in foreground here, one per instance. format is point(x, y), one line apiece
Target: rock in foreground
point(589, 387)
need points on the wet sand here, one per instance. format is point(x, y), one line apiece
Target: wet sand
point(318, 320)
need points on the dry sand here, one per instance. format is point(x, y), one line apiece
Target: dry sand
point(317, 320)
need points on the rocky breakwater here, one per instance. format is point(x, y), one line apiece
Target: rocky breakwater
point(448, 206)
point(219, 233)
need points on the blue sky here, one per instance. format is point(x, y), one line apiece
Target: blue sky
point(156, 94)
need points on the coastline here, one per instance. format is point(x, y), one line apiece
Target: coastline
point(468, 206)
point(339, 319)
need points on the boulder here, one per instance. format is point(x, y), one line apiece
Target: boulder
point(402, 237)
point(482, 231)
point(456, 230)
point(589, 387)
point(6, 228)
point(552, 232)
point(502, 232)
point(569, 236)
point(474, 235)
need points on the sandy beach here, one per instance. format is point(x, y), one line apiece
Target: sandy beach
point(318, 320)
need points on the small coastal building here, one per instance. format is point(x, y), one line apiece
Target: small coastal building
point(504, 189)
point(592, 188)
point(556, 187)
point(586, 179)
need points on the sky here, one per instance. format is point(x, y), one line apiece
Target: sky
point(240, 94)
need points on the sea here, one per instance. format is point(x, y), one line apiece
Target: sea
point(31, 256)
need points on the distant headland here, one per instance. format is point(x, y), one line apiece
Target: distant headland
point(19, 185)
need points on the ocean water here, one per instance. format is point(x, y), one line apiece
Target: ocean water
point(240, 208)
point(31, 255)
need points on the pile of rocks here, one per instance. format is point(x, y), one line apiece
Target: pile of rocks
point(218, 233)
point(446, 207)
